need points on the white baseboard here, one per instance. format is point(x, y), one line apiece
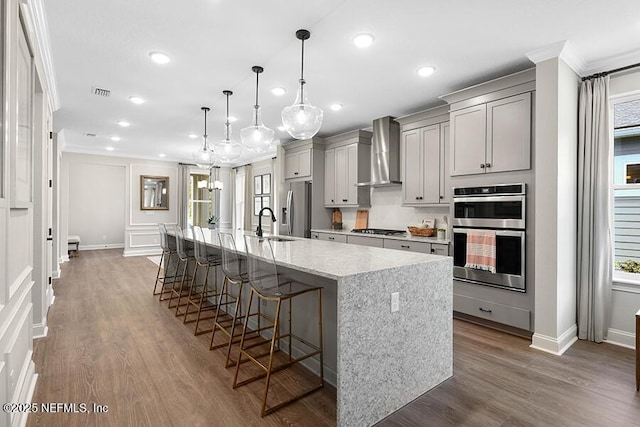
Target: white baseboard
point(65, 258)
point(50, 295)
point(40, 330)
point(553, 345)
point(99, 247)
point(621, 338)
point(142, 252)
point(56, 274)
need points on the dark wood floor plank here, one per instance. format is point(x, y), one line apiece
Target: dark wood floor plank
point(111, 342)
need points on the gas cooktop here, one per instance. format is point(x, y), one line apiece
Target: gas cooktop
point(380, 231)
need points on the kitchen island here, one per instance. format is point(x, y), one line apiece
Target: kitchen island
point(379, 360)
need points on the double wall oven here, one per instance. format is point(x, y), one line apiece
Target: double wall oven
point(499, 209)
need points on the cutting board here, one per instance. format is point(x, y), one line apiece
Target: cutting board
point(362, 219)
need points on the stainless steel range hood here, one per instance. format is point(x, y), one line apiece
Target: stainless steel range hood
point(385, 154)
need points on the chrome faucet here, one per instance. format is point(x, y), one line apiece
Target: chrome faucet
point(259, 229)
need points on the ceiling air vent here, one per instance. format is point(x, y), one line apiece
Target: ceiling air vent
point(100, 92)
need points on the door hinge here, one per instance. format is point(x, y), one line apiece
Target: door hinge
point(50, 135)
point(50, 183)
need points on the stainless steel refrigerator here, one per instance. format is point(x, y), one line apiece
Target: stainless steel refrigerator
point(295, 218)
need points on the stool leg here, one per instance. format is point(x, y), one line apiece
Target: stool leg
point(244, 332)
point(173, 282)
point(233, 325)
point(276, 328)
point(164, 281)
point(155, 287)
point(215, 319)
point(184, 275)
point(202, 296)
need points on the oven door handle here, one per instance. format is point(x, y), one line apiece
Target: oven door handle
point(508, 233)
point(481, 199)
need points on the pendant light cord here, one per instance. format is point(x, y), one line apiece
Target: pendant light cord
point(226, 121)
point(257, 105)
point(302, 82)
point(205, 131)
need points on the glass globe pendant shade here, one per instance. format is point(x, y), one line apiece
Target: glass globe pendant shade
point(204, 158)
point(301, 119)
point(257, 137)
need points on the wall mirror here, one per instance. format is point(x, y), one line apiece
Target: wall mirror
point(154, 192)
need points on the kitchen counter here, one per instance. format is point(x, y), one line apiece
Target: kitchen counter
point(405, 237)
point(381, 360)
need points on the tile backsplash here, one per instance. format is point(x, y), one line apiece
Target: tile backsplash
point(386, 211)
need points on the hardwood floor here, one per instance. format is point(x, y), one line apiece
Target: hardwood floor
point(110, 342)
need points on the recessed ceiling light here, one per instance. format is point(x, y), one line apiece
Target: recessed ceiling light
point(281, 128)
point(426, 71)
point(278, 91)
point(363, 40)
point(336, 107)
point(193, 135)
point(232, 119)
point(109, 148)
point(161, 155)
point(159, 57)
point(136, 100)
point(124, 123)
point(115, 138)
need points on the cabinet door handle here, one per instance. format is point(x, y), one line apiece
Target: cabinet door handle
point(331, 200)
point(482, 165)
point(433, 251)
point(488, 165)
point(441, 197)
point(296, 173)
point(405, 246)
point(345, 200)
point(316, 236)
point(332, 238)
point(484, 310)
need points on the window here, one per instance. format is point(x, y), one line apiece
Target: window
point(200, 204)
point(626, 180)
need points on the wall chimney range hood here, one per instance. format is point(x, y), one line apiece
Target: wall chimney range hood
point(385, 154)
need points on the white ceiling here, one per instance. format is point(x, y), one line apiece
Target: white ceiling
point(214, 43)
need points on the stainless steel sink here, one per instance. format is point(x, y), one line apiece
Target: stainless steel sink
point(279, 239)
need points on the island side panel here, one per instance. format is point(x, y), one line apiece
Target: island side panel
point(385, 360)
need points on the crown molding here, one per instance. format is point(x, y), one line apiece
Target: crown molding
point(613, 62)
point(41, 31)
point(563, 50)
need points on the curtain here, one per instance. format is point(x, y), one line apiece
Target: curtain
point(183, 195)
point(594, 243)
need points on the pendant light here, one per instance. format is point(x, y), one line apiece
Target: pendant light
point(204, 157)
point(257, 137)
point(227, 150)
point(302, 120)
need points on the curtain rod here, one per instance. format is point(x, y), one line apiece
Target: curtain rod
point(605, 73)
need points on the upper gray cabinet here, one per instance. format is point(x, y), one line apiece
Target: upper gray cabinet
point(297, 164)
point(424, 158)
point(347, 162)
point(491, 125)
point(492, 137)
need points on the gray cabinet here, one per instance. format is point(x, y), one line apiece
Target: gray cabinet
point(423, 247)
point(492, 137)
point(424, 157)
point(365, 241)
point(346, 163)
point(297, 164)
point(329, 237)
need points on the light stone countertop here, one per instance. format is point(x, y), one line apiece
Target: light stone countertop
point(331, 259)
point(405, 237)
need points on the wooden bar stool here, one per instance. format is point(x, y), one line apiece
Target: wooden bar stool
point(235, 273)
point(267, 285)
point(199, 294)
point(185, 256)
point(168, 253)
